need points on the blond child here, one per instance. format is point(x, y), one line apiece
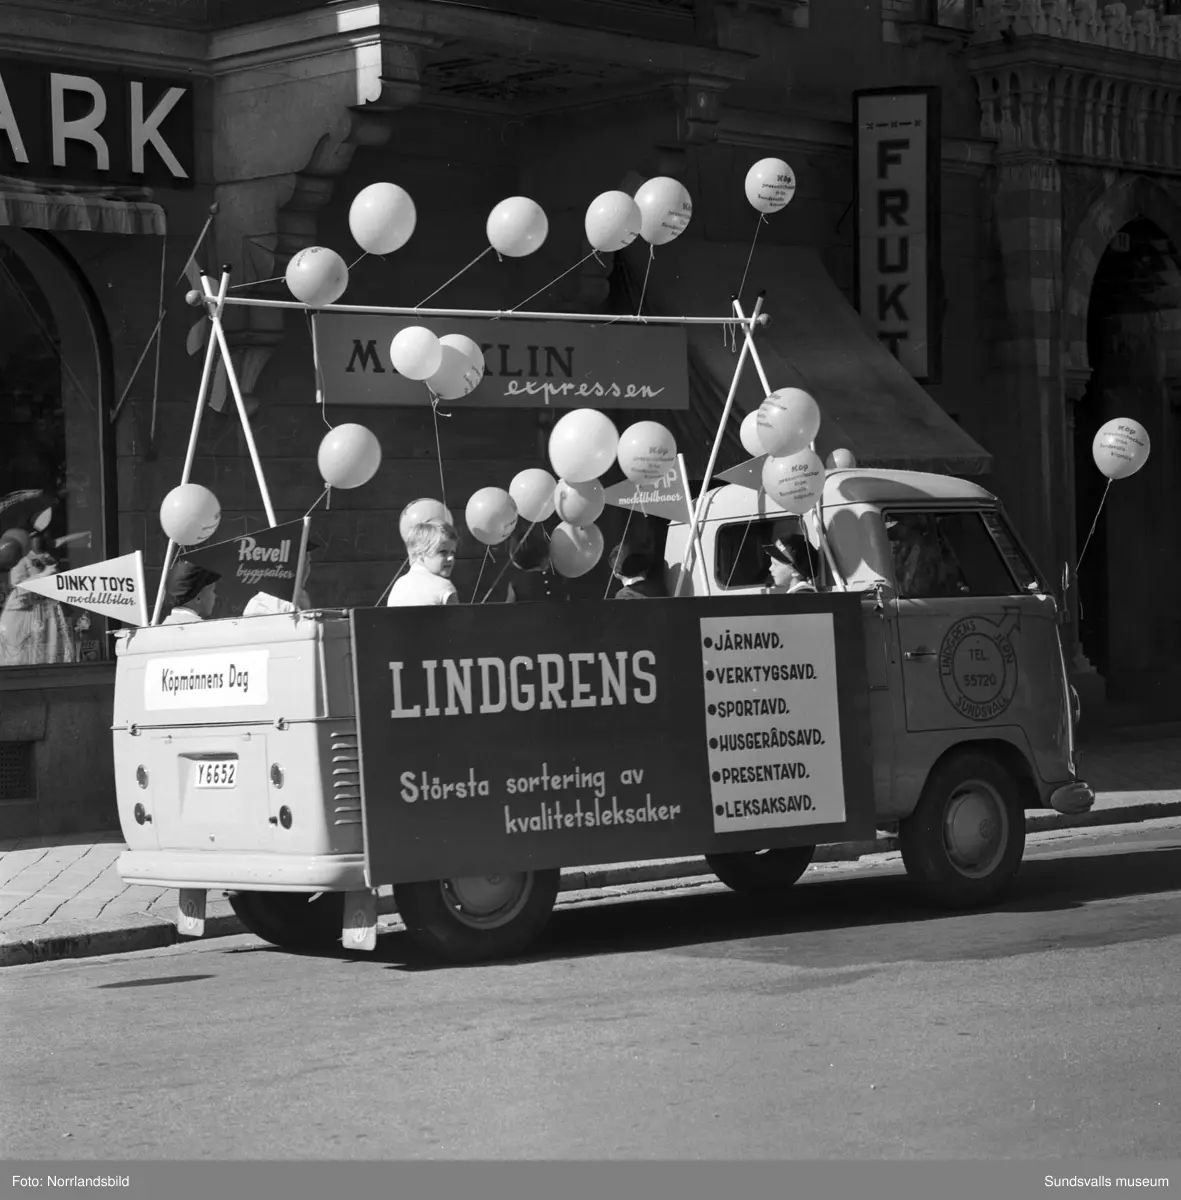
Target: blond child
point(431, 548)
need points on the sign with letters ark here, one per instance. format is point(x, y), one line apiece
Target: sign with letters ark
point(898, 154)
point(528, 736)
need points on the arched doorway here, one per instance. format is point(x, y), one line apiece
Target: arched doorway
point(1129, 578)
point(54, 440)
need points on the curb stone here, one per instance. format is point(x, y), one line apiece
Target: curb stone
point(79, 939)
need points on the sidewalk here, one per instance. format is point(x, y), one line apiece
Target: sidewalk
point(63, 898)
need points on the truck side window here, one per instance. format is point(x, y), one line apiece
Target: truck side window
point(739, 558)
point(1019, 565)
point(946, 554)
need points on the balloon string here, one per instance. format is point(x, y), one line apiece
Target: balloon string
point(257, 282)
point(738, 554)
point(593, 254)
point(439, 450)
point(508, 562)
point(486, 250)
point(317, 374)
point(318, 499)
point(483, 563)
point(388, 586)
point(1095, 522)
point(353, 264)
point(749, 256)
point(647, 270)
point(622, 540)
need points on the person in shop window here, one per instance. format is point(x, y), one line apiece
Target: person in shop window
point(192, 593)
point(790, 565)
point(33, 628)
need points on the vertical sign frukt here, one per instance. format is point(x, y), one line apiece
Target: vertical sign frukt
point(898, 212)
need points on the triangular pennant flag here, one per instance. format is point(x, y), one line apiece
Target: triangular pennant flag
point(746, 474)
point(217, 387)
point(268, 561)
point(114, 588)
point(197, 336)
point(666, 497)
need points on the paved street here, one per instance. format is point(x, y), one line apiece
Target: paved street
point(850, 1022)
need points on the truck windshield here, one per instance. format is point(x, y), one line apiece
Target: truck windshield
point(948, 554)
point(740, 560)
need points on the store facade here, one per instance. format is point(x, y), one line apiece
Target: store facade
point(290, 109)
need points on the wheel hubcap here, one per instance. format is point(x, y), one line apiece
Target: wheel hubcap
point(975, 829)
point(486, 901)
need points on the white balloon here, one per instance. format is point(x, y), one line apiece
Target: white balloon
point(795, 481)
point(317, 276)
point(582, 445)
point(382, 218)
point(665, 208)
point(613, 221)
point(517, 226)
point(1121, 448)
point(472, 352)
point(770, 185)
point(748, 434)
point(532, 491)
point(415, 352)
point(189, 514)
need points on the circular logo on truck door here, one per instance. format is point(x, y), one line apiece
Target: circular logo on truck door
point(978, 666)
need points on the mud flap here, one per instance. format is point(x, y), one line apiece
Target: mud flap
point(360, 920)
point(190, 912)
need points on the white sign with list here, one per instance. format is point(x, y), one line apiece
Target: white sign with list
point(772, 723)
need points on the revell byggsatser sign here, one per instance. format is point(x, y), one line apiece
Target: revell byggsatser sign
point(526, 736)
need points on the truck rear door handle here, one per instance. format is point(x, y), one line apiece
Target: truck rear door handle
point(921, 652)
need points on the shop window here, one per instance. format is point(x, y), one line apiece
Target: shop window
point(740, 556)
point(51, 446)
point(946, 554)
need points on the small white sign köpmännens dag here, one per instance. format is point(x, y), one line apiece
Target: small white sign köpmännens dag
point(227, 679)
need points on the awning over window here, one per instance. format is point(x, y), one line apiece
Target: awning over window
point(815, 341)
point(60, 211)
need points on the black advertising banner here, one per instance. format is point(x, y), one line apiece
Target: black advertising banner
point(267, 561)
point(525, 736)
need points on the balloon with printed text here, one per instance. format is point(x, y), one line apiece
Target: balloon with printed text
point(416, 352)
point(422, 511)
point(582, 445)
point(665, 210)
point(789, 420)
point(189, 514)
point(317, 276)
point(349, 456)
point(770, 185)
point(1121, 448)
point(574, 550)
point(748, 434)
point(532, 491)
point(382, 218)
point(517, 227)
point(795, 481)
point(646, 451)
point(613, 221)
point(491, 515)
point(579, 504)
point(461, 368)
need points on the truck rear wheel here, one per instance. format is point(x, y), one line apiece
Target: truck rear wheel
point(478, 917)
point(761, 872)
point(292, 920)
point(964, 842)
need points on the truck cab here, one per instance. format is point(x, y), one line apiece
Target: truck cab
point(972, 714)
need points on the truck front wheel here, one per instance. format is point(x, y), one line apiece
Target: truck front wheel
point(478, 917)
point(292, 920)
point(964, 841)
point(761, 872)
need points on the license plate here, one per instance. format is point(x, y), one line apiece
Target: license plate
point(216, 773)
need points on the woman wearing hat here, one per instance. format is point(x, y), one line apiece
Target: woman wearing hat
point(632, 566)
point(192, 593)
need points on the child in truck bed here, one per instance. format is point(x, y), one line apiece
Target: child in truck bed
point(431, 547)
